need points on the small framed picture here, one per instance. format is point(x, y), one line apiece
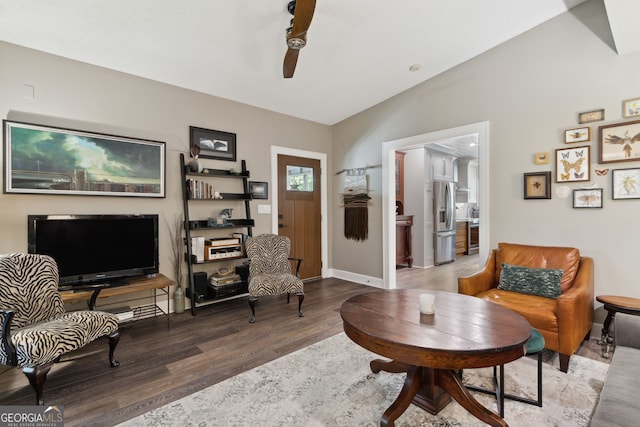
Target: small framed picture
point(591, 116)
point(577, 135)
point(631, 108)
point(212, 144)
point(587, 198)
point(573, 164)
point(259, 190)
point(620, 142)
point(626, 183)
point(537, 185)
point(541, 158)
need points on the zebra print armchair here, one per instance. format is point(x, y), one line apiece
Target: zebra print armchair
point(270, 270)
point(36, 329)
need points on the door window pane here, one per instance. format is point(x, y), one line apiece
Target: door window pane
point(299, 178)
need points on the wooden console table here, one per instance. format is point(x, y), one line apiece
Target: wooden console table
point(138, 284)
point(403, 239)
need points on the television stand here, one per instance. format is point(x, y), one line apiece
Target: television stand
point(114, 284)
point(156, 283)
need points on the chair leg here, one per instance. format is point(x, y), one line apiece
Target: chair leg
point(564, 362)
point(300, 299)
point(501, 392)
point(114, 338)
point(37, 376)
point(252, 304)
point(540, 379)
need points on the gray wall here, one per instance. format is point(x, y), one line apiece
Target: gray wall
point(80, 96)
point(530, 89)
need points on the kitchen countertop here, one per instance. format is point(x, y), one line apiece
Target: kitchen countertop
point(471, 220)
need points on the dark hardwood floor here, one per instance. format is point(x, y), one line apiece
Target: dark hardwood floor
point(158, 366)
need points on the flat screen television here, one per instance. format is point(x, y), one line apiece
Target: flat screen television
point(93, 249)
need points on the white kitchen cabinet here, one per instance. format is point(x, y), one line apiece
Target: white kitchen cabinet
point(442, 166)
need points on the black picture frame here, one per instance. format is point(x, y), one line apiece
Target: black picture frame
point(625, 183)
point(259, 190)
point(214, 144)
point(42, 159)
point(537, 185)
point(587, 198)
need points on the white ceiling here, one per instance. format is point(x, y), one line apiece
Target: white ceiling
point(358, 52)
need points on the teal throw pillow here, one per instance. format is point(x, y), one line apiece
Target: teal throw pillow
point(544, 282)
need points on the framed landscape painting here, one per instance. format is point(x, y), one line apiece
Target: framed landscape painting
point(50, 160)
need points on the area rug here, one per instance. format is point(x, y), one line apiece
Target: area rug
point(330, 384)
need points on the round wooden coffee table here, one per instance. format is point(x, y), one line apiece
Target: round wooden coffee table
point(465, 332)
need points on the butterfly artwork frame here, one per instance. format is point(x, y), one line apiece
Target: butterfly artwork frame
point(537, 185)
point(620, 142)
point(587, 198)
point(573, 164)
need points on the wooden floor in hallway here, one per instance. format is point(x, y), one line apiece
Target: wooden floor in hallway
point(438, 278)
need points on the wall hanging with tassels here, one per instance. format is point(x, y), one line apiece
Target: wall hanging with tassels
point(356, 202)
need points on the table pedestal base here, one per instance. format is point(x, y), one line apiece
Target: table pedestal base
point(430, 389)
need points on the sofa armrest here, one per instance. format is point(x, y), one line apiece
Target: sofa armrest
point(480, 281)
point(627, 330)
point(6, 316)
point(575, 308)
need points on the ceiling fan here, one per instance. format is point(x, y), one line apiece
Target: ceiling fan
point(302, 11)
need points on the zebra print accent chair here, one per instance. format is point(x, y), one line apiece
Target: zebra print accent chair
point(270, 270)
point(36, 329)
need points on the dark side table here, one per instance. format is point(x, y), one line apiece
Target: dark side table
point(614, 304)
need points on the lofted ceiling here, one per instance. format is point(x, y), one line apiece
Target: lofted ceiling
point(358, 53)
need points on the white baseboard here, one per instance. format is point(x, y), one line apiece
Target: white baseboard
point(357, 278)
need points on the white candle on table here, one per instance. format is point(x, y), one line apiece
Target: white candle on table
point(426, 303)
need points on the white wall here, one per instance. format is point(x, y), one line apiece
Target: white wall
point(530, 89)
point(414, 202)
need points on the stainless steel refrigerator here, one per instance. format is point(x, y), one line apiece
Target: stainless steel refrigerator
point(444, 233)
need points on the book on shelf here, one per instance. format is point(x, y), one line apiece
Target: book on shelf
point(197, 248)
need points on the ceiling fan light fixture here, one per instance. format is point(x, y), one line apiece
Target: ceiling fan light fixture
point(296, 43)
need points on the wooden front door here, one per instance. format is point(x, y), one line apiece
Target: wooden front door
point(299, 211)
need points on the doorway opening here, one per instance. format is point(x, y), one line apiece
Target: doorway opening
point(389, 149)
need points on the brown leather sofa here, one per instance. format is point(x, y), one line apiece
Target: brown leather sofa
point(564, 322)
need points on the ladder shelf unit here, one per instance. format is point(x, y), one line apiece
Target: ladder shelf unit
point(197, 188)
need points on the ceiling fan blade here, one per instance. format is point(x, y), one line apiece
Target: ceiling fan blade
point(290, 61)
point(302, 17)
point(297, 38)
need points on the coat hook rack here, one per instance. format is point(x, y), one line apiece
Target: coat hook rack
point(357, 171)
